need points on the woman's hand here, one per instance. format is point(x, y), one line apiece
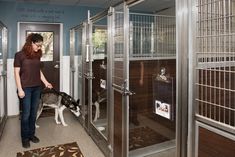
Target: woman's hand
point(48, 85)
point(44, 80)
point(21, 94)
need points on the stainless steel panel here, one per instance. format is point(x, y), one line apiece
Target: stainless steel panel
point(215, 56)
point(152, 36)
point(212, 129)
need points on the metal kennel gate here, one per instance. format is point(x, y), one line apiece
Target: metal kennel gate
point(120, 53)
point(215, 61)
point(79, 69)
point(85, 43)
point(101, 112)
point(3, 75)
point(213, 55)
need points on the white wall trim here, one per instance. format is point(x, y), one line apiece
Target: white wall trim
point(12, 99)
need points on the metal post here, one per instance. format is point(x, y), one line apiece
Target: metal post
point(182, 76)
point(126, 84)
point(72, 54)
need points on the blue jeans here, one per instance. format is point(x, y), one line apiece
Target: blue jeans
point(29, 111)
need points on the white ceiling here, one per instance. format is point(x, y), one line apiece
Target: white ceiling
point(147, 5)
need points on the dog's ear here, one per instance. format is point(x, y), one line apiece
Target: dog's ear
point(78, 101)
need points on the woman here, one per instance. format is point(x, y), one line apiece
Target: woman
point(28, 77)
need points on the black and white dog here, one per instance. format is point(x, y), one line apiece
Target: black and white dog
point(59, 101)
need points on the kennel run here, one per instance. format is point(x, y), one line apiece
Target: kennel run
point(143, 75)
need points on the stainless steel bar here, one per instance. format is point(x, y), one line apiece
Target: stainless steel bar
point(139, 30)
point(110, 94)
point(141, 41)
point(152, 15)
point(198, 49)
point(193, 78)
point(220, 47)
point(210, 50)
point(232, 56)
point(99, 16)
point(202, 72)
point(162, 30)
point(229, 49)
point(77, 26)
point(231, 90)
point(216, 35)
point(215, 70)
point(224, 59)
point(72, 55)
point(182, 36)
point(214, 104)
point(152, 39)
point(228, 52)
point(205, 59)
point(216, 15)
point(143, 19)
point(126, 80)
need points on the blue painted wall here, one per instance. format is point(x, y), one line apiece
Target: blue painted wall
point(70, 16)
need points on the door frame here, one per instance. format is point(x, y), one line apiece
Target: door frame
point(103, 141)
point(61, 83)
point(122, 88)
point(182, 65)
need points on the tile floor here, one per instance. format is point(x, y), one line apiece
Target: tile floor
point(50, 134)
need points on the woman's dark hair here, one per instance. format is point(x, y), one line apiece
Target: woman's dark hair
point(27, 48)
point(36, 38)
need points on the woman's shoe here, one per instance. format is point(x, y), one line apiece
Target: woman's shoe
point(25, 143)
point(34, 139)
